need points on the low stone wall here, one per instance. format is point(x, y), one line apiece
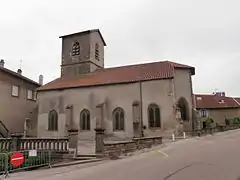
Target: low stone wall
point(125, 147)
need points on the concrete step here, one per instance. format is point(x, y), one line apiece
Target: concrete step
point(89, 156)
point(84, 158)
point(75, 162)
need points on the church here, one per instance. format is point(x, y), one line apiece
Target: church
point(137, 100)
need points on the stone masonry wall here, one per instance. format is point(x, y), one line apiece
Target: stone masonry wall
point(124, 147)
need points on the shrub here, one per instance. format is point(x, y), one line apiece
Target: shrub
point(209, 122)
point(236, 121)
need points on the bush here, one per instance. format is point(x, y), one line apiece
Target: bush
point(236, 121)
point(227, 122)
point(209, 122)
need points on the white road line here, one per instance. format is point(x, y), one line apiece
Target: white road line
point(163, 153)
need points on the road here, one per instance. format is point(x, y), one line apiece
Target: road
point(206, 158)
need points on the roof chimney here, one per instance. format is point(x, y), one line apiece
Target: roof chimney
point(40, 81)
point(2, 63)
point(19, 71)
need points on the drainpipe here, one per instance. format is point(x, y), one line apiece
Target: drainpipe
point(141, 111)
point(193, 106)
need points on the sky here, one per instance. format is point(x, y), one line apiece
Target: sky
point(201, 33)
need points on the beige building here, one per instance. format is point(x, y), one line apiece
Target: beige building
point(134, 98)
point(18, 101)
point(217, 106)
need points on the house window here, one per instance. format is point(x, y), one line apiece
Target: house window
point(76, 49)
point(30, 94)
point(53, 121)
point(203, 113)
point(97, 51)
point(15, 91)
point(154, 116)
point(118, 119)
point(85, 120)
point(221, 101)
point(199, 98)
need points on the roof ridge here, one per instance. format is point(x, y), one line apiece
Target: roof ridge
point(132, 65)
point(236, 101)
point(122, 74)
point(18, 75)
point(213, 95)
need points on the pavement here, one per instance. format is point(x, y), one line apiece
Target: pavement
point(200, 158)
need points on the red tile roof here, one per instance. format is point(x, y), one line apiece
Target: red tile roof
point(238, 100)
point(117, 75)
point(205, 101)
point(15, 74)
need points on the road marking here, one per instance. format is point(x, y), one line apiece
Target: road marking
point(163, 153)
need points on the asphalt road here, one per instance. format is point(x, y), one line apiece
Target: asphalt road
point(210, 158)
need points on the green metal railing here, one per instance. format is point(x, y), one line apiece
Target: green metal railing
point(33, 159)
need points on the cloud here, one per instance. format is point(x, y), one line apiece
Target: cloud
point(204, 34)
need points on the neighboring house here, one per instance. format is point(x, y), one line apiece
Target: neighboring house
point(217, 106)
point(17, 98)
point(162, 88)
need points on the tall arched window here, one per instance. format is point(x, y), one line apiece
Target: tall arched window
point(118, 119)
point(154, 116)
point(85, 120)
point(76, 49)
point(53, 120)
point(97, 51)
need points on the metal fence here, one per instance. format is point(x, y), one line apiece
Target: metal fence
point(31, 159)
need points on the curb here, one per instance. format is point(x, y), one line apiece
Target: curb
point(75, 163)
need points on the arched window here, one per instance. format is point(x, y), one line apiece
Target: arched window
point(53, 120)
point(118, 119)
point(154, 116)
point(76, 49)
point(97, 51)
point(85, 120)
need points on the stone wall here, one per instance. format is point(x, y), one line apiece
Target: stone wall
point(125, 147)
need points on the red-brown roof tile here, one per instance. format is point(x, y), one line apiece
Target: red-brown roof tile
point(117, 75)
point(205, 101)
point(238, 99)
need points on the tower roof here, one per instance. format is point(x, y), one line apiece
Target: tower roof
point(86, 32)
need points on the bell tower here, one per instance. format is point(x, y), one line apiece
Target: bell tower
point(82, 53)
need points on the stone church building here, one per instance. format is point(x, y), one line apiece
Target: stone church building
point(143, 99)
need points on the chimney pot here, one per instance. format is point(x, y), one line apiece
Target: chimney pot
point(19, 71)
point(40, 81)
point(2, 63)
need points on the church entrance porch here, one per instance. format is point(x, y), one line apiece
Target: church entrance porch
point(183, 116)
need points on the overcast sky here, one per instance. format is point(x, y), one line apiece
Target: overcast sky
point(201, 33)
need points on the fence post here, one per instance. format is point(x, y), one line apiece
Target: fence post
point(73, 142)
point(99, 130)
point(99, 140)
point(15, 145)
point(6, 165)
point(173, 137)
